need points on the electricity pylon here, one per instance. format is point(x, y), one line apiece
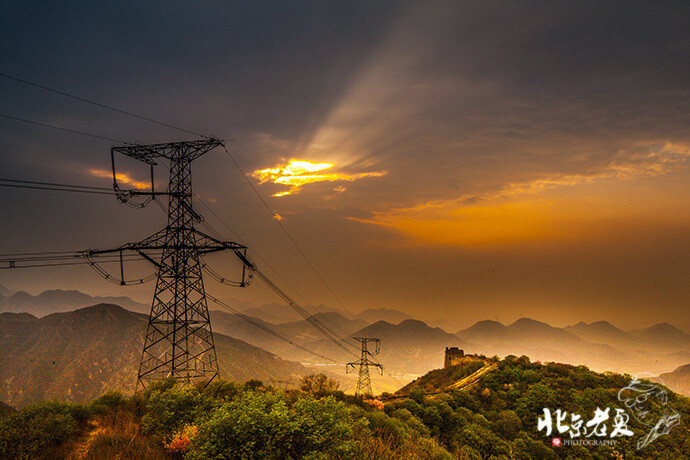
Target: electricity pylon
point(179, 341)
point(364, 380)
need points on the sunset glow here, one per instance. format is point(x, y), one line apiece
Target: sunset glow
point(121, 178)
point(559, 207)
point(296, 173)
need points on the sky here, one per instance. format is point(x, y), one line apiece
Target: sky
point(457, 161)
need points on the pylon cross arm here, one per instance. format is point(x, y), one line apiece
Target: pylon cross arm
point(149, 153)
point(203, 244)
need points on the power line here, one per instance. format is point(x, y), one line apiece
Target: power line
point(76, 255)
point(64, 188)
point(98, 104)
point(251, 249)
point(36, 253)
point(12, 267)
point(53, 183)
point(292, 240)
point(60, 128)
point(219, 236)
point(55, 189)
point(330, 335)
point(267, 329)
point(56, 264)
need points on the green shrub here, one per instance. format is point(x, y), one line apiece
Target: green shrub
point(319, 384)
point(261, 425)
point(222, 389)
point(108, 402)
point(33, 431)
point(170, 409)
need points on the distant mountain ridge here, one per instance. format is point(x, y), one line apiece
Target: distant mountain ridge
point(57, 300)
point(599, 345)
point(277, 313)
point(664, 336)
point(373, 315)
point(678, 380)
point(602, 332)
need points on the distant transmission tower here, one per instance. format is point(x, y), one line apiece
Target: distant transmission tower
point(179, 342)
point(364, 380)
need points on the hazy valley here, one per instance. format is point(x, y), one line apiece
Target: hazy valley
point(77, 355)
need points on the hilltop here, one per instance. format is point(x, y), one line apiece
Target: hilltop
point(460, 412)
point(461, 376)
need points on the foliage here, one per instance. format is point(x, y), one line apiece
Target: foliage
point(6, 409)
point(493, 417)
point(182, 440)
point(34, 431)
point(318, 384)
point(261, 425)
point(168, 410)
point(497, 416)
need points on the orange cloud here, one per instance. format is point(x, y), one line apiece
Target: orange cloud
point(121, 178)
point(297, 173)
point(555, 207)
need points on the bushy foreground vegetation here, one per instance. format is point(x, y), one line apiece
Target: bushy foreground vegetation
point(496, 418)
point(224, 420)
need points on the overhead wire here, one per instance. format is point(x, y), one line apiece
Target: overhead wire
point(61, 128)
point(267, 329)
point(53, 183)
point(98, 104)
point(328, 333)
point(34, 256)
point(56, 264)
point(276, 219)
point(57, 189)
point(83, 189)
point(35, 253)
point(60, 264)
point(344, 333)
point(309, 317)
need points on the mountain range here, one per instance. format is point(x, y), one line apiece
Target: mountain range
point(409, 347)
point(78, 355)
point(600, 345)
point(56, 300)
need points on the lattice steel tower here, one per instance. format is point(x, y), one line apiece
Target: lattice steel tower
point(179, 341)
point(364, 380)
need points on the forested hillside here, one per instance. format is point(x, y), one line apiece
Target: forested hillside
point(445, 414)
